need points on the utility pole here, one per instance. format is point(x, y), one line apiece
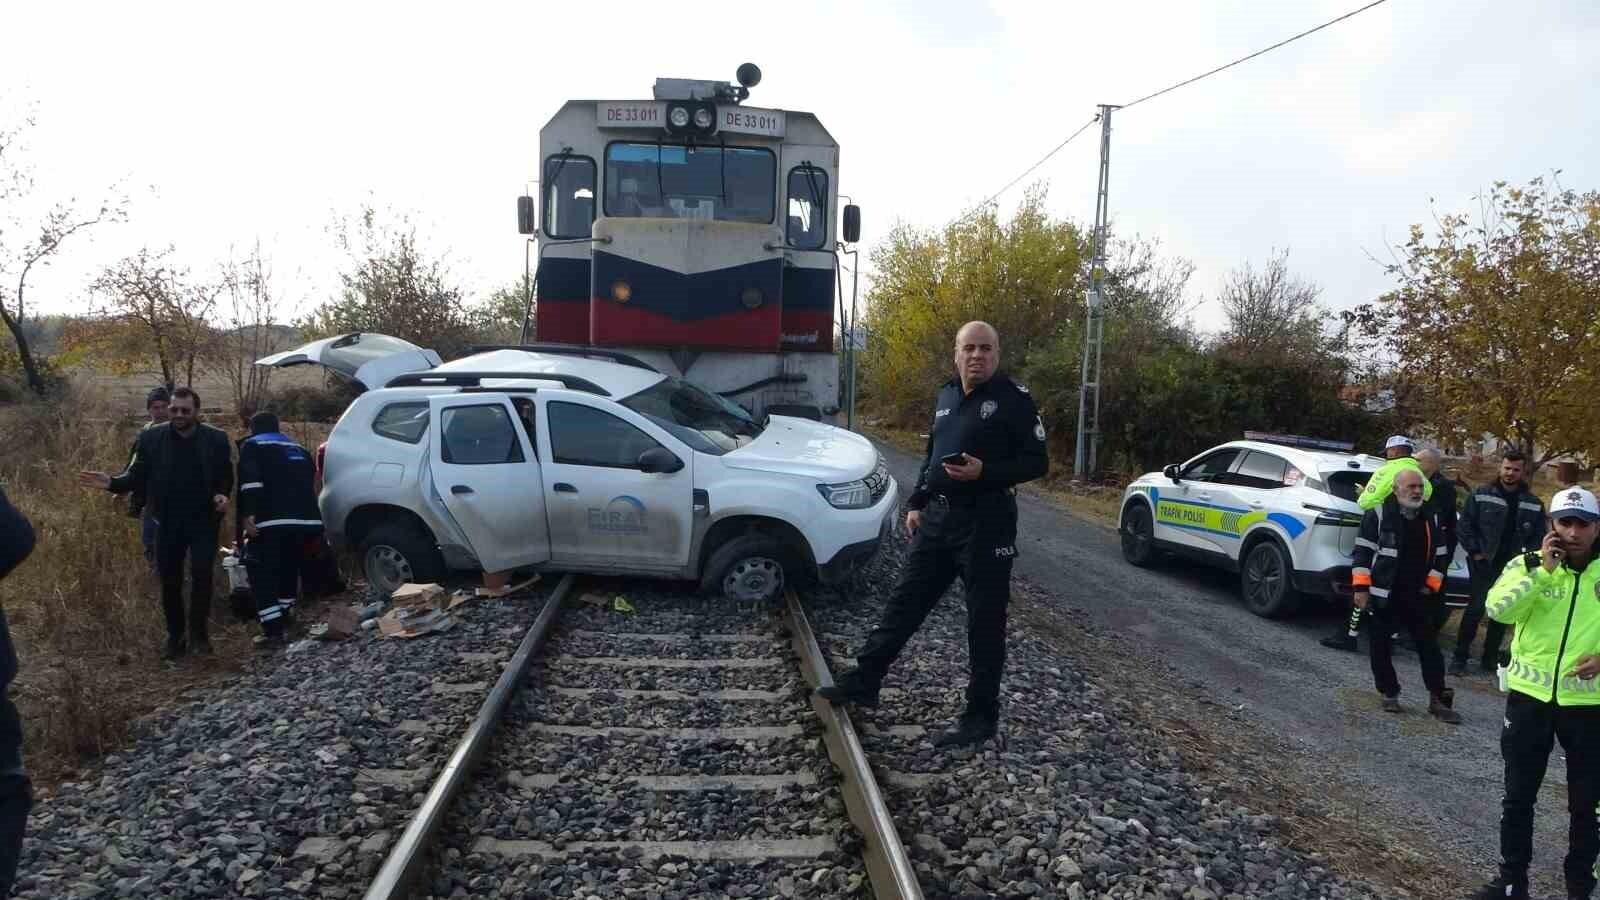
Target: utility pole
point(1086, 459)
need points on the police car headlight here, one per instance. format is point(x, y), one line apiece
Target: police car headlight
point(849, 495)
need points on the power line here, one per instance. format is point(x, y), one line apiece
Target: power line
point(1042, 160)
point(1242, 59)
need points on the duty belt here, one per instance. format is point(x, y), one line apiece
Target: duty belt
point(969, 500)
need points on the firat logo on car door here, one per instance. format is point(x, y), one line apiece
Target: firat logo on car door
point(623, 515)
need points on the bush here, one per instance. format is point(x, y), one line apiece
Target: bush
point(310, 404)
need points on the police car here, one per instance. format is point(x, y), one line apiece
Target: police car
point(566, 458)
point(1278, 509)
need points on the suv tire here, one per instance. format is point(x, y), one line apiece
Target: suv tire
point(1266, 580)
point(393, 554)
point(1138, 533)
point(751, 568)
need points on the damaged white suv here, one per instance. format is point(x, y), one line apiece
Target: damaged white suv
point(562, 458)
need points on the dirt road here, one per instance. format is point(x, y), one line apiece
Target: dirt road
point(1432, 787)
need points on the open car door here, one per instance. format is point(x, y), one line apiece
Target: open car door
point(364, 357)
point(486, 474)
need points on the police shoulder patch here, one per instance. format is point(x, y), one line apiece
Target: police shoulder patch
point(1020, 386)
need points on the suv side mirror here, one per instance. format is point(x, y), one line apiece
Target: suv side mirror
point(1172, 472)
point(525, 222)
point(659, 459)
point(852, 223)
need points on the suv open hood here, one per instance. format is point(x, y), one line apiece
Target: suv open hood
point(369, 358)
point(810, 449)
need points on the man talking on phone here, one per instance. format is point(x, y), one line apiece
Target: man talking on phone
point(986, 438)
point(1552, 596)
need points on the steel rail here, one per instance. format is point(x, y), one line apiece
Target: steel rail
point(888, 865)
point(406, 861)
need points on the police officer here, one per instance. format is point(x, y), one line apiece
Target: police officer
point(16, 791)
point(986, 439)
point(1503, 519)
point(1552, 596)
point(278, 507)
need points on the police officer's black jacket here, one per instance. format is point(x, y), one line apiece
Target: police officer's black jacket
point(16, 536)
point(1490, 511)
point(277, 482)
point(998, 424)
point(153, 473)
point(1443, 507)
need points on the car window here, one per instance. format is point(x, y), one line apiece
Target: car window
point(402, 421)
point(478, 436)
point(703, 420)
point(1212, 466)
point(1260, 470)
point(585, 436)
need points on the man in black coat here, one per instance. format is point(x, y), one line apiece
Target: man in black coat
point(16, 792)
point(185, 470)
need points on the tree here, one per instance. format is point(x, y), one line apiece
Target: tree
point(1496, 320)
point(1272, 314)
point(29, 243)
point(391, 287)
point(498, 318)
point(252, 327)
point(147, 305)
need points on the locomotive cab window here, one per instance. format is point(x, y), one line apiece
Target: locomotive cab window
point(666, 181)
point(808, 208)
point(568, 196)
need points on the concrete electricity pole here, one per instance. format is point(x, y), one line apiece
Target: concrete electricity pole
point(1086, 460)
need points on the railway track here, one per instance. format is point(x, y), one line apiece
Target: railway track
point(685, 756)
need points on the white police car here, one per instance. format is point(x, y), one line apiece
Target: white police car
point(1278, 509)
point(567, 458)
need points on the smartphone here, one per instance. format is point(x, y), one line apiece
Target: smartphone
point(954, 459)
point(1559, 551)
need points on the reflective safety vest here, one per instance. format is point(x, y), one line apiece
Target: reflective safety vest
point(1557, 615)
point(1381, 484)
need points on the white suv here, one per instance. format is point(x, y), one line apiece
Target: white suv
point(566, 458)
point(1279, 510)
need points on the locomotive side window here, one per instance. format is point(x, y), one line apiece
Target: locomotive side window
point(808, 207)
point(665, 181)
point(568, 196)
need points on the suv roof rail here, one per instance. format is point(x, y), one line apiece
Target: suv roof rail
point(1301, 441)
point(616, 356)
point(475, 379)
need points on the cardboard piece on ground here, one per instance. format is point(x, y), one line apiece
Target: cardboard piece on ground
point(342, 623)
point(596, 600)
point(507, 590)
point(401, 623)
point(495, 581)
point(417, 596)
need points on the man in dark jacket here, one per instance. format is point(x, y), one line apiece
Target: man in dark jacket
point(16, 792)
point(1442, 506)
point(1502, 520)
point(278, 506)
point(986, 438)
point(155, 404)
point(186, 471)
point(1398, 575)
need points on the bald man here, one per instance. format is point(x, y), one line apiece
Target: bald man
point(986, 439)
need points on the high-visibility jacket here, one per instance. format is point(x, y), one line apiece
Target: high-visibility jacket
point(1376, 559)
point(1381, 484)
point(1557, 615)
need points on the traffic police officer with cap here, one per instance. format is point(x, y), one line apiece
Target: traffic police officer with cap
point(1552, 596)
point(986, 439)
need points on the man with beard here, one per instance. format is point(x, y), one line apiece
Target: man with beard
point(1399, 576)
point(1502, 520)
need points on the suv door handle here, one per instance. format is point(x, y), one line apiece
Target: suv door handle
point(460, 489)
point(563, 488)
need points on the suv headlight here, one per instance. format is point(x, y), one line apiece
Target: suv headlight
point(849, 495)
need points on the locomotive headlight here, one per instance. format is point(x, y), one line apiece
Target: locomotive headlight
point(621, 291)
point(679, 117)
point(702, 119)
point(751, 297)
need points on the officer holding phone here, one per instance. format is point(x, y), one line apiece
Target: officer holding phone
point(1552, 596)
point(986, 438)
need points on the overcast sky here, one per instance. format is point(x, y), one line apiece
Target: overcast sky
point(226, 122)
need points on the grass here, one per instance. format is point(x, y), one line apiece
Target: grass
point(84, 610)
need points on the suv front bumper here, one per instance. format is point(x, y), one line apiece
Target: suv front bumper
point(852, 556)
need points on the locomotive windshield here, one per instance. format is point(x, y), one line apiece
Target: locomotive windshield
point(725, 184)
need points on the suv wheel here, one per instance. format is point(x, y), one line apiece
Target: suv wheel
point(751, 568)
point(1265, 577)
point(392, 555)
point(1138, 535)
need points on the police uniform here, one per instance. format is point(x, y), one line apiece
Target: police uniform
point(969, 528)
point(276, 487)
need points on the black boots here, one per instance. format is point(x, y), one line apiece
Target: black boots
point(1499, 889)
point(1439, 706)
point(974, 728)
point(174, 648)
point(853, 687)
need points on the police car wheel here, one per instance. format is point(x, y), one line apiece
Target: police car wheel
point(751, 568)
point(394, 554)
point(1266, 580)
point(1138, 535)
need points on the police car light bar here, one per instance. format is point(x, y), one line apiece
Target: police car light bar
point(1301, 441)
